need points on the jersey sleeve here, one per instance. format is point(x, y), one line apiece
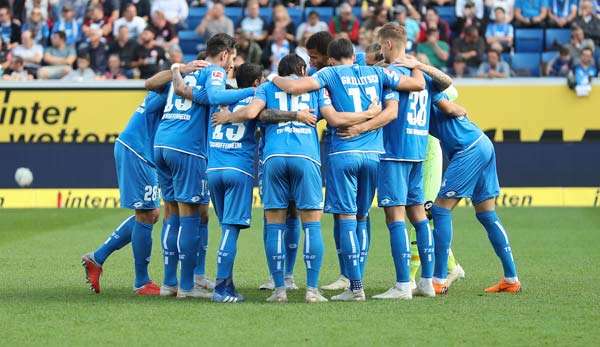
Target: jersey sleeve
point(323, 76)
point(391, 94)
point(390, 78)
point(438, 96)
point(261, 93)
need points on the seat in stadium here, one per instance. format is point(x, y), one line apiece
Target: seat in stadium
point(189, 57)
point(507, 57)
point(325, 13)
point(556, 37)
point(195, 17)
point(357, 12)
point(547, 56)
point(526, 64)
point(529, 40)
point(447, 13)
point(267, 15)
point(235, 14)
point(296, 15)
point(188, 41)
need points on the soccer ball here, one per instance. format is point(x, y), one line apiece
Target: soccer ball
point(23, 177)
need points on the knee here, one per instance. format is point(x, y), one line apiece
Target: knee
point(147, 216)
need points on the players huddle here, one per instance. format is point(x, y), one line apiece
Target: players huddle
point(192, 135)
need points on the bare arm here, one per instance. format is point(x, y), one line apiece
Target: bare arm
point(179, 85)
point(389, 113)
point(451, 109)
point(158, 80)
point(296, 86)
point(346, 119)
point(440, 79)
point(413, 83)
point(243, 114)
point(276, 116)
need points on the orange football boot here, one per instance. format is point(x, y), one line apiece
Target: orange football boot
point(93, 271)
point(440, 288)
point(148, 289)
point(504, 286)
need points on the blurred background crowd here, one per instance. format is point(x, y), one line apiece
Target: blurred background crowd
point(78, 40)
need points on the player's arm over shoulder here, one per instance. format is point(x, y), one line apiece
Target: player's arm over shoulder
point(297, 86)
point(450, 108)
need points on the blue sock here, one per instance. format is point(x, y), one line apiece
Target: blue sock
point(313, 252)
point(400, 250)
point(499, 240)
point(188, 244)
point(117, 240)
point(200, 268)
point(362, 232)
point(274, 250)
point(336, 238)
point(425, 247)
point(168, 237)
point(141, 244)
point(442, 238)
point(292, 238)
point(227, 250)
point(349, 248)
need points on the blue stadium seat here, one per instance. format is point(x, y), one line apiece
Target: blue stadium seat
point(357, 12)
point(555, 37)
point(267, 15)
point(296, 14)
point(529, 40)
point(189, 41)
point(547, 56)
point(235, 14)
point(507, 57)
point(195, 17)
point(325, 13)
point(198, 11)
point(447, 13)
point(526, 64)
point(189, 57)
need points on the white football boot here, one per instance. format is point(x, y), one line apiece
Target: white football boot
point(196, 292)
point(424, 288)
point(279, 295)
point(313, 296)
point(168, 290)
point(457, 273)
point(269, 285)
point(339, 284)
point(350, 295)
point(290, 284)
point(203, 282)
point(396, 293)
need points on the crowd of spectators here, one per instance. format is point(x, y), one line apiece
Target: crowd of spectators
point(79, 40)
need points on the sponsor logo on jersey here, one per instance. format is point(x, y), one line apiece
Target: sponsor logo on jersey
point(450, 194)
point(217, 75)
point(138, 204)
point(195, 198)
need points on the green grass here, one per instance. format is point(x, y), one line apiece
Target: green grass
point(44, 300)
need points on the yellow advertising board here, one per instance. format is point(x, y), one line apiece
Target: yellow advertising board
point(109, 198)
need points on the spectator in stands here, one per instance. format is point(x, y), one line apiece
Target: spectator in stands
point(83, 71)
point(436, 51)
point(581, 75)
point(494, 67)
point(530, 13)
point(174, 55)
point(277, 48)
point(16, 71)
point(290, 3)
point(373, 54)
point(410, 25)
point(561, 64)
point(379, 17)
point(176, 11)
point(215, 21)
point(470, 47)
point(10, 29)
point(97, 19)
point(111, 8)
point(38, 26)
point(31, 52)
point(248, 48)
point(96, 49)
point(281, 19)
point(476, 6)
point(313, 24)
point(252, 25)
point(345, 24)
point(459, 68)
point(41, 5)
point(499, 35)
point(320, 3)
point(5, 56)
point(166, 35)
point(69, 25)
point(468, 18)
point(562, 13)
point(301, 50)
point(59, 58)
point(134, 23)
point(578, 43)
point(433, 20)
point(142, 7)
point(588, 21)
point(114, 71)
point(438, 2)
point(125, 48)
point(507, 5)
point(149, 57)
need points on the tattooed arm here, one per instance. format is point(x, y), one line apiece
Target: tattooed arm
point(276, 116)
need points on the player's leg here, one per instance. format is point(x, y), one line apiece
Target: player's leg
point(367, 185)
point(141, 244)
point(292, 238)
point(200, 278)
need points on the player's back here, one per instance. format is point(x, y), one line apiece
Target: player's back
point(405, 138)
point(290, 138)
point(233, 145)
point(184, 123)
point(455, 133)
point(139, 133)
point(353, 88)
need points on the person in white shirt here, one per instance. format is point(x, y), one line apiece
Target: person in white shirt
point(252, 24)
point(132, 21)
point(313, 24)
point(29, 51)
point(479, 8)
point(507, 5)
point(176, 11)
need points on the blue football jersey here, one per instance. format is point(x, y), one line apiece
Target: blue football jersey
point(405, 138)
point(352, 89)
point(233, 146)
point(455, 133)
point(141, 128)
point(291, 138)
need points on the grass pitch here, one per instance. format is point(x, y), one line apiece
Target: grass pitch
point(44, 300)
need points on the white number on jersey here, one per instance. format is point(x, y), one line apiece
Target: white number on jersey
point(298, 103)
point(231, 134)
point(355, 94)
point(417, 108)
point(181, 104)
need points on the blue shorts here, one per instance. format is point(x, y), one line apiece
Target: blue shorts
point(138, 183)
point(292, 178)
point(351, 183)
point(472, 174)
point(231, 194)
point(400, 183)
point(182, 176)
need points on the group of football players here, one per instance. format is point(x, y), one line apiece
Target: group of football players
point(193, 135)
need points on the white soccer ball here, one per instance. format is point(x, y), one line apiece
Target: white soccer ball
point(451, 92)
point(23, 177)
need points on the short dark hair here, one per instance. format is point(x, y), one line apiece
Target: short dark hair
point(246, 74)
point(563, 50)
point(84, 55)
point(500, 8)
point(219, 43)
point(291, 64)
point(319, 41)
point(340, 49)
point(61, 34)
point(471, 29)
